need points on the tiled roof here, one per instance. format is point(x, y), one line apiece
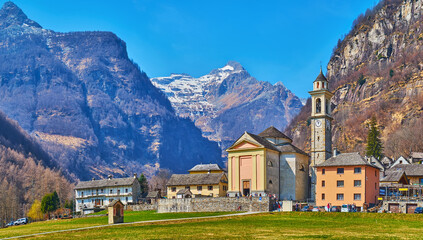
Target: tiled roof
point(386, 160)
point(205, 167)
point(195, 179)
point(288, 147)
point(184, 191)
point(273, 132)
point(113, 182)
point(321, 77)
point(409, 169)
point(153, 194)
point(416, 154)
point(392, 176)
point(346, 159)
point(263, 142)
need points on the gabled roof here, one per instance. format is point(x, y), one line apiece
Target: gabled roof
point(409, 169)
point(272, 132)
point(195, 179)
point(376, 163)
point(393, 176)
point(184, 191)
point(113, 182)
point(263, 142)
point(153, 194)
point(114, 203)
point(346, 159)
point(288, 147)
point(416, 155)
point(386, 160)
point(206, 167)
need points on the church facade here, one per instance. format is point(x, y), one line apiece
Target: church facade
point(268, 164)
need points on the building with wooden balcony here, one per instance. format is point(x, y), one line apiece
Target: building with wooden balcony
point(93, 194)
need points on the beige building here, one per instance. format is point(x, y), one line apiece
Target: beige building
point(204, 180)
point(267, 164)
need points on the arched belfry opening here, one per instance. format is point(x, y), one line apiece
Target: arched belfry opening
point(318, 105)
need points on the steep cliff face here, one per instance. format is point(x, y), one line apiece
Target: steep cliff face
point(377, 69)
point(91, 108)
point(228, 101)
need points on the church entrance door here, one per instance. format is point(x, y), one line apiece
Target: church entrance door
point(246, 188)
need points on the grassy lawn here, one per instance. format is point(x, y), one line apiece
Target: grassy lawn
point(268, 226)
point(54, 225)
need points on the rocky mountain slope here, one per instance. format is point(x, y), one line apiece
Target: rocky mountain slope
point(228, 101)
point(377, 69)
point(93, 110)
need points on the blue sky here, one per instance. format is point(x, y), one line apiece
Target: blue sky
point(274, 40)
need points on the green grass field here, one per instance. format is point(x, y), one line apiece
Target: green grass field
point(54, 225)
point(268, 226)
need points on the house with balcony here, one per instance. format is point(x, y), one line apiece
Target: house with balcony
point(94, 194)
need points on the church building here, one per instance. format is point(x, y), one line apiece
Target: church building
point(268, 164)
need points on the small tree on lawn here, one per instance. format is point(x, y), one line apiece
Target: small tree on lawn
point(35, 212)
point(50, 203)
point(143, 183)
point(374, 144)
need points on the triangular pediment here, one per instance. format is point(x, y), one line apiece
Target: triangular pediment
point(245, 142)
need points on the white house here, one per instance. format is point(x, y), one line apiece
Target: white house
point(400, 160)
point(99, 193)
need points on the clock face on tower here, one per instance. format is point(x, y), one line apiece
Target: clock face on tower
point(318, 123)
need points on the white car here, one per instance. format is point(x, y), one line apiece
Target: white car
point(346, 208)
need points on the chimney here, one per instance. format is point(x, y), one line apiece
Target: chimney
point(135, 175)
point(109, 177)
point(335, 152)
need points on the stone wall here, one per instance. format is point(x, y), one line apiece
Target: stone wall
point(216, 204)
point(401, 204)
point(142, 207)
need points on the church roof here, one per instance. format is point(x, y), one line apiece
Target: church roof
point(321, 77)
point(346, 159)
point(288, 147)
point(263, 142)
point(273, 133)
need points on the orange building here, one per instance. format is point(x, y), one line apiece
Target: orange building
point(346, 179)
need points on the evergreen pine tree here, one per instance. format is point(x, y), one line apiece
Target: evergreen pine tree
point(143, 183)
point(374, 144)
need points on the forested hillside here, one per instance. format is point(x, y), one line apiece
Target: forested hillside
point(376, 70)
point(26, 172)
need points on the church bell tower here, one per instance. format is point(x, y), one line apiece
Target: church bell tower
point(321, 133)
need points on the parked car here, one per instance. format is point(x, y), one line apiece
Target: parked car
point(346, 208)
point(12, 223)
point(21, 221)
point(335, 209)
point(318, 209)
point(418, 210)
point(306, 209)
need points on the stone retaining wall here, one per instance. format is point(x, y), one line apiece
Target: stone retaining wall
point(401, 204)
point(142, 207)
point(216, 204)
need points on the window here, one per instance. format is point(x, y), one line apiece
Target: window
point(323, 183)
point(92, 200)
point(173, 189)
point(270, 182)
point(421, 181)
point(340, 183)
point(118, 191)
point(375, 185)
point(199, 188)
point(323, 171)
point(317, 85)
point(357, 170)
point(225, 188)
point(302, 168)
point(188, 187)
point(126, 190)
point(375, 173)
point(327, 106)
point(340, 171)
point(101, 190)
point(82, 194)
point(318, 105)
point(210, 188)
point(111, 191)
point(340, 196)
point(82, 201)
point(323, 196)
point(270, 164)
point(357, 196)
point(357, 183)
point(126, 199)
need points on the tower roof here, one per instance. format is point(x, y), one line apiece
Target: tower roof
point(273, 132)
point(321, 77)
